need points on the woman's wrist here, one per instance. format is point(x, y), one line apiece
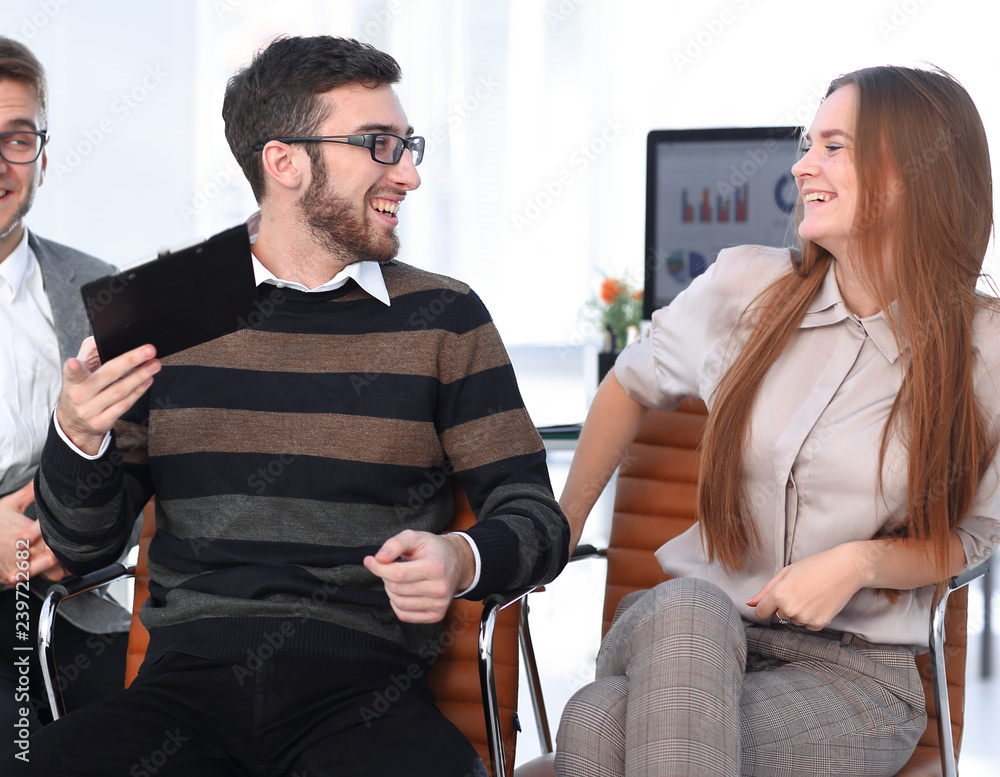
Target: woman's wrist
point(860, 560)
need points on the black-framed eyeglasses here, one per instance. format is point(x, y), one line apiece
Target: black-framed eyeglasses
point(22, 147)
point(385, 148)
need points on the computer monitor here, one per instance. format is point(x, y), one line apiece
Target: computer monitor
point(708, 189)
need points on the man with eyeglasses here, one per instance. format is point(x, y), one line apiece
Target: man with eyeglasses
point(42, 321)
point(303, 467)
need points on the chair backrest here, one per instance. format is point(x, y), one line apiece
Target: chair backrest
point(656, 499)
point(138, 637)
point(454, 676)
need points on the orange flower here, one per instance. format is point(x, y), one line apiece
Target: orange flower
point(611, 289)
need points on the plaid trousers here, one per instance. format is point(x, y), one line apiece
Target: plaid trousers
point(686, 687)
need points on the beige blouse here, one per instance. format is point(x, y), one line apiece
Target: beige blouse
point(815, 433)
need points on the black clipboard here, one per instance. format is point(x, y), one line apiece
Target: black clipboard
point(176, 300)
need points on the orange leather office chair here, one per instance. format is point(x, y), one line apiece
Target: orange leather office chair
point(655, 500)
point(474, 680)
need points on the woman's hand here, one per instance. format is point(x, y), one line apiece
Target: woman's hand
point(812, 591)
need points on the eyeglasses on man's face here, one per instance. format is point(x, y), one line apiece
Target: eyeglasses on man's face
point(385, 148)
point(22, 147)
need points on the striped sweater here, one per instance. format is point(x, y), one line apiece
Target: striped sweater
point(284, 453)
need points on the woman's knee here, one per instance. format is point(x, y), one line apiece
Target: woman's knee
point(592, 729)
point(687, 607)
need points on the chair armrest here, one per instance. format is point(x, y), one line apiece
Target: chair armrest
point(939, 677)
point(581, 552)
point(67, 589)
point(492, 605)
point(962, 580)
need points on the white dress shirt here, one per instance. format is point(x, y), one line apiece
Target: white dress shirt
point(811, 467)
point(30, 366)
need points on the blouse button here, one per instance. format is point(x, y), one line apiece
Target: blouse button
point(975, 559)
point(995, 539)
point(987, 551)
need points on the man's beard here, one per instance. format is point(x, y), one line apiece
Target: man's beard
point(22, 211)
point(340, 226)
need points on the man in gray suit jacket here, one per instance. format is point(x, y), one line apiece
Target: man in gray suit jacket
point(43, 321)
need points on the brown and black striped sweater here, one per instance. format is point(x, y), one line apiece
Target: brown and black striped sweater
point(283, 454)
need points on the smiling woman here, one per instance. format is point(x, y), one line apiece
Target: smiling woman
point(816, 494)
point(826, 175)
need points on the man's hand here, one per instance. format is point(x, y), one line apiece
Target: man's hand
point(422, 573)
point(14, 526)
point(811, 592)
point(94, 396)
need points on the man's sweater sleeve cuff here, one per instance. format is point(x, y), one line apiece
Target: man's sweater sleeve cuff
point(498, 555)
point(479, 563)
point(104, 443)
point(75, 478)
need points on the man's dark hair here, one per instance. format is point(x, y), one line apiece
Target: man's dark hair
point(276, 95)
point(19, 64)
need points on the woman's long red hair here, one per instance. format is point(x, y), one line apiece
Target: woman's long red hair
point(925, 190)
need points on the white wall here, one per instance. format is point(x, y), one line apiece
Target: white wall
point(512, 95)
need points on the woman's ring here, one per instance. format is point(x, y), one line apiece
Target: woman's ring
point(781, 620)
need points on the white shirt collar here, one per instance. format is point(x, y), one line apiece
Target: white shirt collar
point(14, 269)
point(828, 307)
point(368, 275)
